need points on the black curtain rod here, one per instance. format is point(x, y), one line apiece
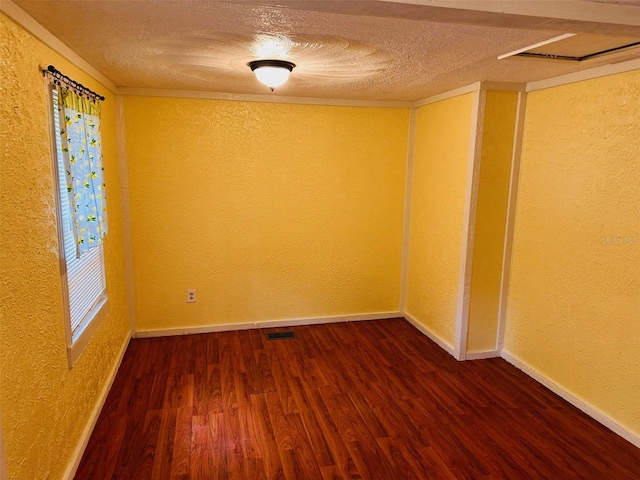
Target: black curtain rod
point(59, 78)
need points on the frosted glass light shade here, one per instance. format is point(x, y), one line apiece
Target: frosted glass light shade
point(272, 73)
point(272, 77)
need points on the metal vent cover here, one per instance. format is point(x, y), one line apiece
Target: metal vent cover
point(280, 335)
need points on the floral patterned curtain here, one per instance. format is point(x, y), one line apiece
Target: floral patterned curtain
point(81, 148)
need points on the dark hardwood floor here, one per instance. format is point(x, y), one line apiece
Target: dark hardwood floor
point(370, 399)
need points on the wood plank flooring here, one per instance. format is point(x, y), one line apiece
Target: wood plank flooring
point(371, 400)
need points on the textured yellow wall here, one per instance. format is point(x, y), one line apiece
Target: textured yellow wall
point(574, 298)
point(437, 210)
point(491, 216)
point(270, 211)
point(45, 406)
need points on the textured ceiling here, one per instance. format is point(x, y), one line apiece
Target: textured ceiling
point(362, 50)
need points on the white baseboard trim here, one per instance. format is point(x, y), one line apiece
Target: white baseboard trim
point(428, 333)
point(586, 407)
point(291, 322)
point(481, 355)
point(70, 473)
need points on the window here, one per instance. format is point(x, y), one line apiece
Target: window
point(83, 276)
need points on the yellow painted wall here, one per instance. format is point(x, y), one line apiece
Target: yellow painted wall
point(491, 217)
point(270, 211)
point(45, 406)
point(574, 297)
point(437, 210)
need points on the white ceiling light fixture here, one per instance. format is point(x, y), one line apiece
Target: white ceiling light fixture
point(272, 73)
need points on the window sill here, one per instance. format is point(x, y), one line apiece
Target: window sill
point(83, 337)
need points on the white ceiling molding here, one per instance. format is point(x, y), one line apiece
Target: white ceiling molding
point(238, 97)
point(596, 72)
point(474, 87)
point(504, 86)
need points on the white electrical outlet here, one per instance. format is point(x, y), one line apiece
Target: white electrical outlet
point(191, 295)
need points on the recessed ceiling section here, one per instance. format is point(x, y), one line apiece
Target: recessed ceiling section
point(356, 50)
point(582, 47)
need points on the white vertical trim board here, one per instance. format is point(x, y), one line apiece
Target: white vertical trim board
point(511, 218)
point(3, 460)
point(408, 191)
point(586, 407)
point(429, 334)
point(27, 22)
point(469, 223)
point(290, 322)
point(70, 472)
point(126, 214)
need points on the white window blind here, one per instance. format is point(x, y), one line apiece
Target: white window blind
point(85, 279)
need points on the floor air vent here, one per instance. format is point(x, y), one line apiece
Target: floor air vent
point(280, 335)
